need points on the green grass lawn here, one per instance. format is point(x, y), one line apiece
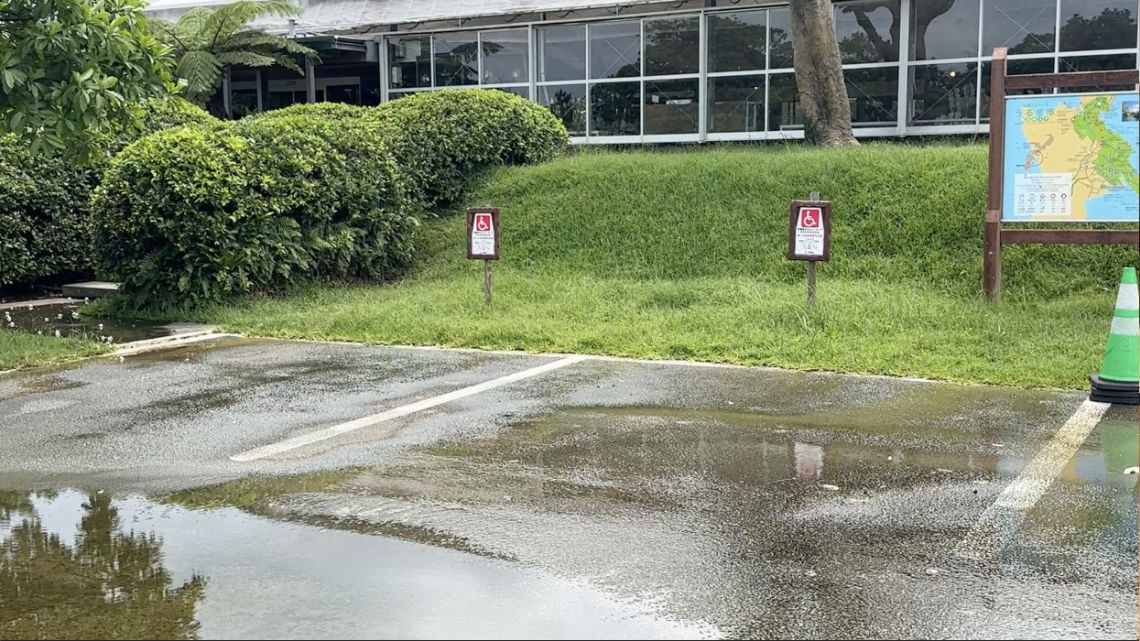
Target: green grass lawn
point(681, 255)
point(18, 350)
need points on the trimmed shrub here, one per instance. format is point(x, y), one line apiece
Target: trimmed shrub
point(170, 112)
point(44, 221)
point(325, 110)
point(193, 216)
point(443, 139)
point(317, 191)
point(43, 216)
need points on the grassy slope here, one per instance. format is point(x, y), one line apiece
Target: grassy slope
point(681, 255)
point(28, 350)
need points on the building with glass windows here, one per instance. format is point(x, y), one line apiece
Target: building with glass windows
point(687, 70)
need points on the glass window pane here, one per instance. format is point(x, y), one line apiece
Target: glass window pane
point(568, 102)
point(505, 57)
point(868, 30)
point(874, 95)
point(672, 46)
point(456, 59)
point(944, 94)
point(347, 94)
point(615, 109)
point(672, 106)
point(1097, 63)
point(1098, 24)
point(736, 41)
point(518, 91)
point(1024, 26)
point(1013, 68)
point(780, 39)
point(410, 59)
point(736, 104)
point(784, 105)
point(615, 50)
point(944, 29)
point(561, 53)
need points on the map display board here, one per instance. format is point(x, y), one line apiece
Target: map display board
point(1072, 158)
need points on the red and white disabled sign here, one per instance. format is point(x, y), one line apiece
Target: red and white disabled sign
point(483, 235)
point(809, 232)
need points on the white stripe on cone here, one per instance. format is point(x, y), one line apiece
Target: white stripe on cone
point(1126, 326)
point(1128, 298)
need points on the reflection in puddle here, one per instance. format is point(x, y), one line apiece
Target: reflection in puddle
point(74, 565)
point(64, 320)
point(96, 581)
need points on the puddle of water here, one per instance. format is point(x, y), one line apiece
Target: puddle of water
point(78, 565)
point(65, 320)
point(764, 529)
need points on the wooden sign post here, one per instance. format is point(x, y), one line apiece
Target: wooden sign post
point(809, 236)
point(483, 242)
point(1041, 186)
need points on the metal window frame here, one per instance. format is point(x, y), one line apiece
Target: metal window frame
point(903, 126)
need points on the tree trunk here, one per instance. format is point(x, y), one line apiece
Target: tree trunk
point(819, 75)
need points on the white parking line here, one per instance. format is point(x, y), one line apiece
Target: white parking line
point(275, 449)
point(997, 525)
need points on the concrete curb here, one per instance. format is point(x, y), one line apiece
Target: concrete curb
point(170, 342)
point(653, 361)
point(42, 302)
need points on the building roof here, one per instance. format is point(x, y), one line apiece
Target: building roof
point(342, 16)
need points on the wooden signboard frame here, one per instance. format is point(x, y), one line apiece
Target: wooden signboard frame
point(494, 211)
point(793, 218)
point(995, 234)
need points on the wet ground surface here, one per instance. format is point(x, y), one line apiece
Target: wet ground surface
point(64, 319)
point(604, 499)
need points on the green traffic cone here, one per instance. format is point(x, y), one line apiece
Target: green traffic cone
point(1119, 379)
point(1122, 355)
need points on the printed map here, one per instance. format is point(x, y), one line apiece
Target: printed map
point(1072, 158)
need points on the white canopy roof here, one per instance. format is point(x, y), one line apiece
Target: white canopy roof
point(333, 16)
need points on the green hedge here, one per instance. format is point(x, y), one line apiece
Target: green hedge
point(43, 216)
point(320, 191)
point(166, 113)
point(325, 110)
point(444, 139)
point(44, 221)
point(193, 216)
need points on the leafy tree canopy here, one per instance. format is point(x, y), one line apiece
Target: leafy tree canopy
point(70, 70)
point(207, 41)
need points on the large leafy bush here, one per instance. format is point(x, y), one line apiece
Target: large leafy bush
point(315, 191)
point(43, 215)
point(44, 222)
point(444, 139)
point(195, 215)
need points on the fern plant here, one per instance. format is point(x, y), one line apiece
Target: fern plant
point(207, 42)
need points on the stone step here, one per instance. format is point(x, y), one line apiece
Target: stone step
point(42, 302)
point(90, 289)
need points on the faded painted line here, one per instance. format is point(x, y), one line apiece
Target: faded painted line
point(1000, 521)
point(281, 447)
point(169, 342)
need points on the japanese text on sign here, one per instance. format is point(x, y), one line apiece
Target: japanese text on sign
point(483, 235)
point(809, 232)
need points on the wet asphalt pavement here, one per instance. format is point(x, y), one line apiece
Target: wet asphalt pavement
point(605, 499)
